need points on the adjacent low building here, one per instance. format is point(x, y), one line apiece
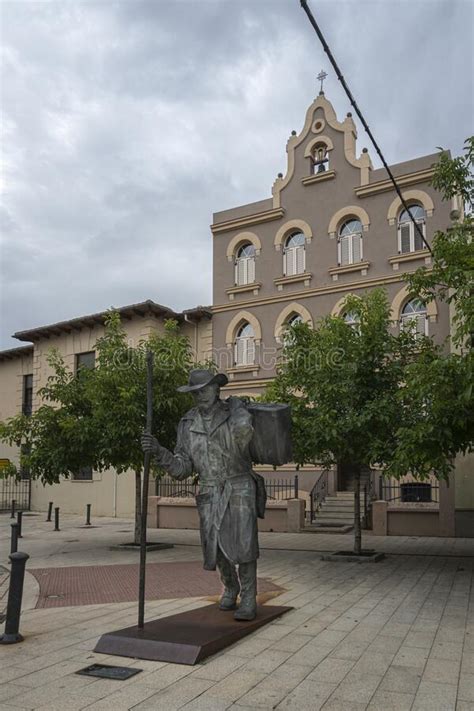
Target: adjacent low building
point(24, 370)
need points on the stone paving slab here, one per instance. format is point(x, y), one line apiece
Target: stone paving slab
point(394, 636)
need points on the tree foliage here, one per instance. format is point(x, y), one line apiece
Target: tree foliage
point(366, 396)
point(95, 417)
point(451, 275)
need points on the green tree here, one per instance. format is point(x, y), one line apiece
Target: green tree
point(95, 418)
point(439, 425)
point(344, 386)
point(450, 277)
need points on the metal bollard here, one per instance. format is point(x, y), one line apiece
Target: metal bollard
point(19, 518)
point(13, 508)
point(15, 594)
point(50, 510)
point(88, 514)
point(56, 518)
point(14, 538)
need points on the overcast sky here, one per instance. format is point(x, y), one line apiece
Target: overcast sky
point(127, 124)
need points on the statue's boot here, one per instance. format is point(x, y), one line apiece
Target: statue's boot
point(248, 593)
point(230, 581)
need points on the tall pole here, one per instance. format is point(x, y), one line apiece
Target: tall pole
point(146, 476)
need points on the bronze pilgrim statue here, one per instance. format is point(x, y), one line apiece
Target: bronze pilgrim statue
point(218, 440)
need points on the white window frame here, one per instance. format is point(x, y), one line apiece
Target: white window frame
point(411, 227)
point(244, 271)
point(298, 252)
point(350, 239)
point(411, 321)
point(244, 349)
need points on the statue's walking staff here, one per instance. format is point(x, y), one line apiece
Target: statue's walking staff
point(146, 477)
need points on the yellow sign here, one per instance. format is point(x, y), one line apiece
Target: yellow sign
point(4, 463)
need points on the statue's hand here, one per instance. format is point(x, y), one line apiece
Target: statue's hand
point(237, 402)
point(150, 443)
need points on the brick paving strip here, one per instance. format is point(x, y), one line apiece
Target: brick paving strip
point(97, 584)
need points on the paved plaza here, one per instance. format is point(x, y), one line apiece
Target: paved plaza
point(397, 635)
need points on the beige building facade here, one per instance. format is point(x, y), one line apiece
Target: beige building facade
point(333, 226)
point(109, 493)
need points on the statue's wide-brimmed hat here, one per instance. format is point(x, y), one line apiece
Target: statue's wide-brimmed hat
point(199, 378)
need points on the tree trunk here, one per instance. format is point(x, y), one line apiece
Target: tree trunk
point(138, 506)
point(357, 527)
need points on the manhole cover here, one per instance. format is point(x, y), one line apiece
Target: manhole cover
point(73, 540)
point(105, 671)
point(55, 597)
point(29, 514)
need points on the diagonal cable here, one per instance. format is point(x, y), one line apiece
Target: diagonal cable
point(353, 102)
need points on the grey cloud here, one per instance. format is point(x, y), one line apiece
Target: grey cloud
point(127, 124)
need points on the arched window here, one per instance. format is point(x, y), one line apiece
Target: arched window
point(296, 318)
point(292, 321)
point(245, 264)
point(319, 159)
point(352, 320)
point(350, 242)
point(244, 349)
point(294, 254)
point(409, 239)
point(414, 318)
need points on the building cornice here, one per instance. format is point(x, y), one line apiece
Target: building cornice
point(384, 186)
point(143, 309)
point(19, 352)
point(255, 219)
point(308, 293)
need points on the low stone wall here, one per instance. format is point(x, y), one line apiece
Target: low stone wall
point(280, 516)
point(406, 520)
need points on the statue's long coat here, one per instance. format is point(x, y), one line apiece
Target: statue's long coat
point(226, 501)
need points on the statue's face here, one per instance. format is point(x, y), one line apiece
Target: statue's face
point(207, 396)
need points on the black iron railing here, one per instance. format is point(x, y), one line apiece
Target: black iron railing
point(317, 495)
point(282, 489)
point(409, 491)
point(166, 486)
point(18, 490)
point(277, 489)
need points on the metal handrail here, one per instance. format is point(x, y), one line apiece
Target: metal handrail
point(318, 494)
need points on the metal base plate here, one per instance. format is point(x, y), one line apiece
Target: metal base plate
point(187, 638)
point(106, 671)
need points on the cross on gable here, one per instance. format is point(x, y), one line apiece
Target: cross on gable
point(321, 77)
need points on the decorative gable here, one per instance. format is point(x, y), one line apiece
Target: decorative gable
point(316, 146)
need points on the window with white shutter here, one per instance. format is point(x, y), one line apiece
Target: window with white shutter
point(350, 243)
point(244, 348)
point(245, 265)
point(409, 238)
point(414, 318)
point(294, 255)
